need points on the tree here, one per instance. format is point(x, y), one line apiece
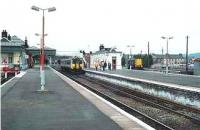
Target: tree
point(145, 60)
point(123, 60)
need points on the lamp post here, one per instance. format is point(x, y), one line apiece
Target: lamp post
point(36, 34)
point(42, 55)
point(167, 55)
point(130, 46)
point(162, 59)
point(186, 54)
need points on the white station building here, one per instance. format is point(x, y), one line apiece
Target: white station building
point(108, 55)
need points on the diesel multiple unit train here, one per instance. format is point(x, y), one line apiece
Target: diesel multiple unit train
point(74, 64)
point(135, 63)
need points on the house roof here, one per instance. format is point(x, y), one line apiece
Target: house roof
point(171, 56)
point(197, 60)
point(4, 40)
point(35, 51)
point(49, 48)
point(107, 50)
point(37, 48)
point(158, 56)
point(15, 41)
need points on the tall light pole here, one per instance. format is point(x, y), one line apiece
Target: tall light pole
point(130, 46)
point(167, 55)
point(148, 55)
point(42, 55)
point(186, 54)
point(162, 59)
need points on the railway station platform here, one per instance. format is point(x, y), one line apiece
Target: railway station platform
point(188, 82)
point(65, 106)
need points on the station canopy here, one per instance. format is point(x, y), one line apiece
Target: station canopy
point(35, 51)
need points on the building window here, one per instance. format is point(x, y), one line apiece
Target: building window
point(10, 60)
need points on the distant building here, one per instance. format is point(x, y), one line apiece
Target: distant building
point(16, 52)
point(34, 54)
point(86, 58)
point(173, 59)
point(197, 66)
point(108, 55)
point(13, 51)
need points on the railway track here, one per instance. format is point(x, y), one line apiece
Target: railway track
point(3, 80)
point(175, 108)
point(148, 120)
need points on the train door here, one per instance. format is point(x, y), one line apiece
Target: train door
point(81, 64)
point(77, 64)
point(114, 63)
point(73, 64)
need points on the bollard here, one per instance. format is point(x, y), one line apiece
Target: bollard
point(6, 76)
point(16, 71)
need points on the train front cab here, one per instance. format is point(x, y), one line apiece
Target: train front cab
point(135, 63)
point(138, 63)
point(73, 64)
point(77, 64)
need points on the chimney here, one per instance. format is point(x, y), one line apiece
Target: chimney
point(4, 34)
point(9, 37)
point(26, 42)
point(101, 47)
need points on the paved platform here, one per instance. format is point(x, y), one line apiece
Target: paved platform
point(62, 108)
point(188, 81)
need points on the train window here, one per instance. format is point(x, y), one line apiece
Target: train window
point(68, 62)
point(73, 61)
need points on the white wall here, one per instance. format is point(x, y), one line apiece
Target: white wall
point(196, 68)
point(97, 58)
point(16, 57)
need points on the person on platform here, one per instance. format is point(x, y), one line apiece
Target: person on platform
point(96, 66)
point(109, 66)
point(105, 65)
point(101, 65)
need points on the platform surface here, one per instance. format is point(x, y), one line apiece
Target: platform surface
point(62, 108)
point(184, 80)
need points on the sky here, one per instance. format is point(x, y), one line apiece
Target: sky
point(85, 24)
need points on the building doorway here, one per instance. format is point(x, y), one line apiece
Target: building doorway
point(114, 63)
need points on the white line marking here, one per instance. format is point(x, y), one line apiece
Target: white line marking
point(22, 73)
point(189, 88)
point(174, 74)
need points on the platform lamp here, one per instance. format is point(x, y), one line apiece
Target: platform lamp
point(167, 55)
point(42, 73)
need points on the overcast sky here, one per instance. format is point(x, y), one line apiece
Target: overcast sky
point(85, 24)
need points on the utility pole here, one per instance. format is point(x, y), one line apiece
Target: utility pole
point(148, 56)
point(162, 56)
point(167, 54)
point(187, 54)
point(162, 59)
